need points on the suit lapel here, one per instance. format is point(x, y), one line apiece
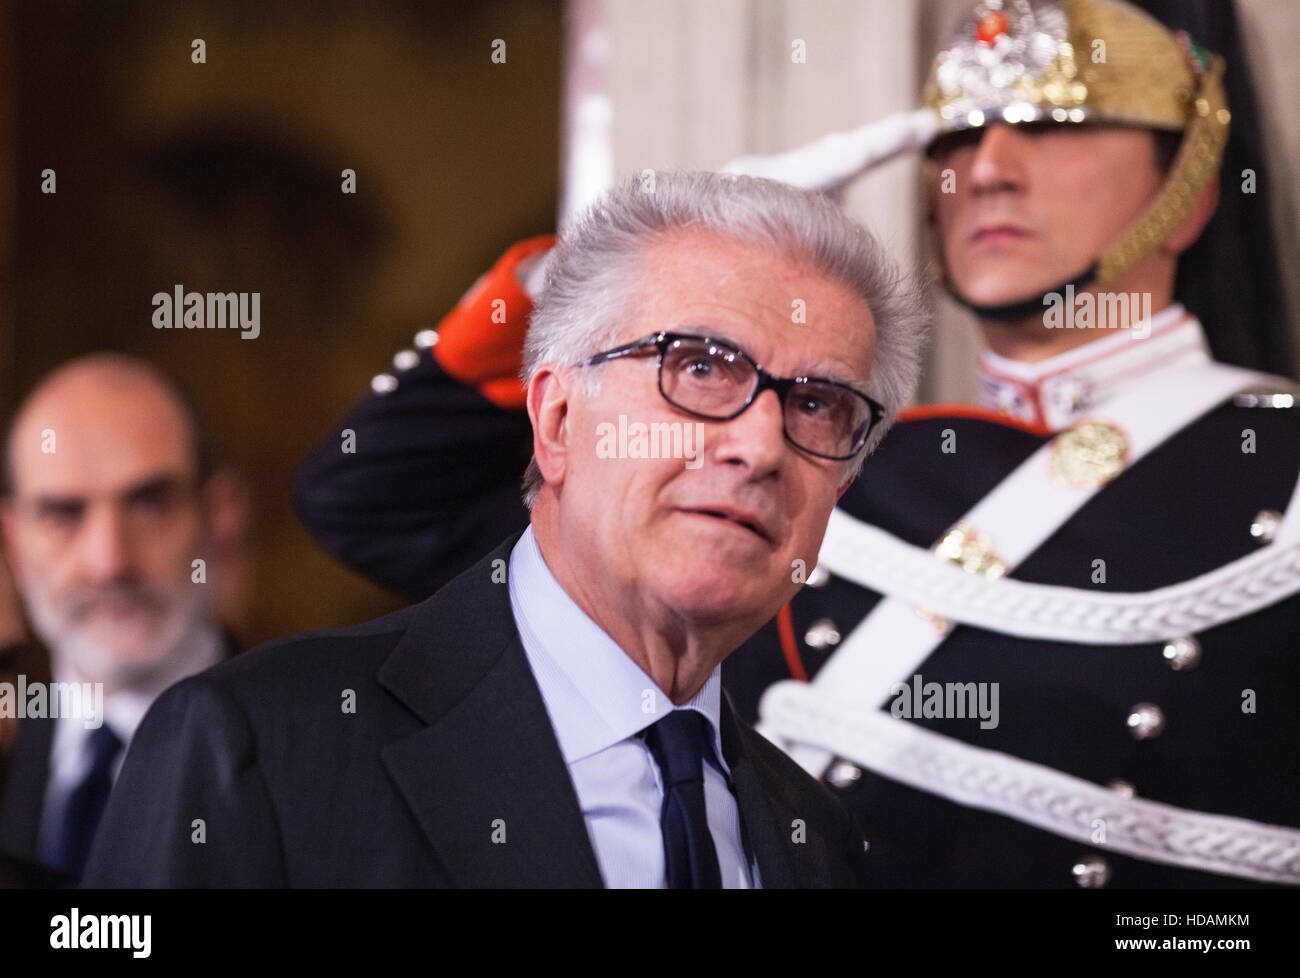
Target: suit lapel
point(765, 817)
point(484, 778)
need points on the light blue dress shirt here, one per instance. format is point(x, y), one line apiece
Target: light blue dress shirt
point(599, 700)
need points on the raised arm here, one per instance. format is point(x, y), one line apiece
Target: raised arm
point(422, 477)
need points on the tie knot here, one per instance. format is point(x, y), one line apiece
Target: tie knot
point(679, 743)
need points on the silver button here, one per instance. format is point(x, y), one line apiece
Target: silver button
point(1091, 872)
point(843, 774)
point(1182, 653)
point(866, 846)
point(406, 359)
point(1121, 787)
point(426, 338)
point(383, 383)
point(822, 634)
point(1265, 525)
point(1145, 721)
point(819, 577)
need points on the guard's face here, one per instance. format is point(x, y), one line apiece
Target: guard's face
point(714, 537)
point(1029, 207)
point(105, 521)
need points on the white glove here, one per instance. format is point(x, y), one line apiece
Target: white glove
point(830, 163)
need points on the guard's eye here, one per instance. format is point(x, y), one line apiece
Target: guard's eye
point(946, 145)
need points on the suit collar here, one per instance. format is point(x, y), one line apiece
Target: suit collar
point(596, 695)
point(494, 799)
point(765, 816)
point(496, 802)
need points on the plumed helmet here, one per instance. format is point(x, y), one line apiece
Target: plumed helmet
point(1089, 61)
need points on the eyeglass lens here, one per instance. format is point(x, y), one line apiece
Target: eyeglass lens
point(711, 380)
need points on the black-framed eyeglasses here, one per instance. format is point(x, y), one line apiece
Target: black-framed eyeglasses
point(712, 379)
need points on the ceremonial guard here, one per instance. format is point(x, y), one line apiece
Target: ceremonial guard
point(1049, 641)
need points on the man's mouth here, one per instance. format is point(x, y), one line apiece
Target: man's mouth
point(741, 518)
point(115, 607)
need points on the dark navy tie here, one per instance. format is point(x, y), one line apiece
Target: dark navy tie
point(86, 803)
point(679, 743)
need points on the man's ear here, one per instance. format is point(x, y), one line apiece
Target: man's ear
point(226, 506)
point(548, 410)
point(9, 534)
point(1190, 228)
point(225, 499)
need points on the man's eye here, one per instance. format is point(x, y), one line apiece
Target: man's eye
point(153, 503)
point(700, 368)
point(703, 368)
point(812, 405)
point(945, 146)
point(59, 517)
point(1042, 128)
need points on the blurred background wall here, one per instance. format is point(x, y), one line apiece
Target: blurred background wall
point(226, 176)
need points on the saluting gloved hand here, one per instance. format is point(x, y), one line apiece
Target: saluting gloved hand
point(481, 341)
point(831, 163)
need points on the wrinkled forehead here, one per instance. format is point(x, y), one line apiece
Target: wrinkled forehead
point(98, 435)
point(767, 302)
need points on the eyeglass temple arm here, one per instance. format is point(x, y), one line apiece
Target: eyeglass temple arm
point(625, 350)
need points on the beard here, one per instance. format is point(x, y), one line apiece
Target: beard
point(120, 634)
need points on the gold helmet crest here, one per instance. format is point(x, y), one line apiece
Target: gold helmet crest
point(1089, 61)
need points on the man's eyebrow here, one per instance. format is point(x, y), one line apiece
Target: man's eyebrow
point(821, 370)
point(709, 333)
point(45, 503)
point(160, 484)
point(152, 485)
point(830, 371)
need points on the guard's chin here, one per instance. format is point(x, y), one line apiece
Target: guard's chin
point(1003, 283)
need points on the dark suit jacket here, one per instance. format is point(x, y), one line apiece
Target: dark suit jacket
point(22, 793)
point(447, 773)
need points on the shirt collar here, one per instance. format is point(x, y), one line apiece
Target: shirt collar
point(201, 647)
point(595, 695)
point(1058, 391)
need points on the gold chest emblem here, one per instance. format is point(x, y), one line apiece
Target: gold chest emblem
point(1088, 455)
point(971, 550)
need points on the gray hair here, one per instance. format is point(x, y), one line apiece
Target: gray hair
point(591, 281)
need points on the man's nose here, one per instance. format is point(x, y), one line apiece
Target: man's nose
point(755, 439)
point(105, 546)
point(998, 164)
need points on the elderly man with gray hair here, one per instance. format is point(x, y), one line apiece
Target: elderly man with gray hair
point(708, 366)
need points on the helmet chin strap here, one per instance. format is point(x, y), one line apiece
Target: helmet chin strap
point(1025, 309)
